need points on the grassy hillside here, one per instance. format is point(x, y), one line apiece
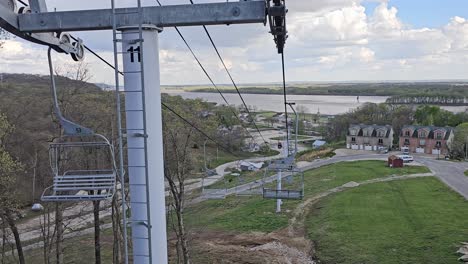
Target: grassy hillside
point(258, 214)
point(411, 221)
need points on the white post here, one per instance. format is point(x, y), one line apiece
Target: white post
point(147, 204)
point(278, 187)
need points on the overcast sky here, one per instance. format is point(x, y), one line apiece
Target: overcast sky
point(329, 40)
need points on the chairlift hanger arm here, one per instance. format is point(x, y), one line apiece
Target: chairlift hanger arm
point(9, 21)
point(166, 16)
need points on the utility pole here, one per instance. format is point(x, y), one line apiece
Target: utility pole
point(204, 155)
point(466, 148)
point(278, 187)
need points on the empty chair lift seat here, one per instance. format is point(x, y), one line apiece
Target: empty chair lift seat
point(283, 194)
point(81, 185)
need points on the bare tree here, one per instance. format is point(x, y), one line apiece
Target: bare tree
point(177, 168)
point(9, 169)
point(47, 234)
point(3, 36)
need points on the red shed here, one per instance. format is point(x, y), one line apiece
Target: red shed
point(395, 162)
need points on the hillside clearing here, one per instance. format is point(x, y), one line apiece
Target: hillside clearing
point(411, 221)
point(258, 214)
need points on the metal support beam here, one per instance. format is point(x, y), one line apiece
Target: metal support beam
point(38, 6)
point(167, 16)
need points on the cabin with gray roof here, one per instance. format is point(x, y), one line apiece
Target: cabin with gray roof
point(427, 139)
point(369, 137)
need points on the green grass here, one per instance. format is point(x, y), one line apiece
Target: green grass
point(267, 114)
point(238, 214)
point(411, 221)
point(257, 214)
point(231, 181)
point(216, 158)
point(466, 173)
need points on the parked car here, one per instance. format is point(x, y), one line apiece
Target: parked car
point(383, 150)
point(406, 158)
point(405, 150)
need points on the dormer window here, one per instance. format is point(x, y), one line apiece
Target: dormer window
point(381, 133)
point(439, 135)
point(353, 132)
point(422, 134)
point(366, 133)
point(407, 133)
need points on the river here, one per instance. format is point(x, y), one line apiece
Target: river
point(326, 104)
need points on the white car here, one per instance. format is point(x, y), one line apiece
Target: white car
point(406, 158)
point(405, 150)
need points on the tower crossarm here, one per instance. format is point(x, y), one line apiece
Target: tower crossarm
point(166, 16)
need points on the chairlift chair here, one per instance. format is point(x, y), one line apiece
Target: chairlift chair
point(250, 188)
point(293, 184)
point(82, 162)
point(213, 193)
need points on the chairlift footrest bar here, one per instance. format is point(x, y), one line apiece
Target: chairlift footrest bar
point(283, 194)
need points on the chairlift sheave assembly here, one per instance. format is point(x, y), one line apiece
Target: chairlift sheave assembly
point(82, 162)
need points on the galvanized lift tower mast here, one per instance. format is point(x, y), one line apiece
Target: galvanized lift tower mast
point(140, 27)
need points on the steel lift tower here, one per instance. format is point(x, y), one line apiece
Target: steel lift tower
point(136, 30)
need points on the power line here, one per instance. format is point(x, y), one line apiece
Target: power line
point(285, 100)
point(232, 79)
point(207, 75)
point(199, 130)
point(163, 104)
point(172, 110)
point(95, 54)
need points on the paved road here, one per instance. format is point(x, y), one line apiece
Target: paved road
point(451, 173)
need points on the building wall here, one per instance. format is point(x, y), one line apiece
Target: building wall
point(369, 141)
point(428, 147)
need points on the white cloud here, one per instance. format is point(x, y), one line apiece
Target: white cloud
point(457, 32)
point(328, 40)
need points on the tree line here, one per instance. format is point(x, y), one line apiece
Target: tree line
point(358, 89)
point(432, 99)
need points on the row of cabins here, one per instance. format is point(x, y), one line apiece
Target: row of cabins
point(416, 139)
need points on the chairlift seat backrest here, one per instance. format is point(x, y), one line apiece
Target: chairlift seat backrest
point(283, 194)
point(85, 183)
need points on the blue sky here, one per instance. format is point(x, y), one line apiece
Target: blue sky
point(425, 13)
